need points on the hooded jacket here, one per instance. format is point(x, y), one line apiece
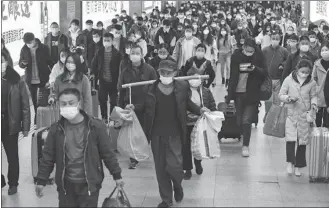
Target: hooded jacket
point(274, 58)
point(18, 103)
point(44, 63)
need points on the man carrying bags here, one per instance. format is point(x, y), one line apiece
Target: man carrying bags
point(166, 103)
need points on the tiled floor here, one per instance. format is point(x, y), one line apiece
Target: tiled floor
point(231, 180)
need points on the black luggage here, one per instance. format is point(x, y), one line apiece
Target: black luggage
point(230, 128)
point(38, 141)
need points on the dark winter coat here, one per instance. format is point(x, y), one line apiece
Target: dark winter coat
point(97, 149)
point(182, 94)
point(62, 42)
point(18, 103)
point(255, 78)
point(43, 60)
point(326, 90)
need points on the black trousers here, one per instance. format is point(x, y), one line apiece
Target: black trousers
point(322, 117)
point(187, 154)
point(106, 90)
point(296, 158)
point(10, 144)
point(168, 161)
point(77, 195)
point(34, 96)
point(245, 113)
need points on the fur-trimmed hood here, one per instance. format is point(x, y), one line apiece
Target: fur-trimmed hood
point(11, 75)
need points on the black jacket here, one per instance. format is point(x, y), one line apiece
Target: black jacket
point(98, 61)
point(167, 37)
point(156, 61)
point(62, 42)
point(18, 103)
point(97, 148)
point(92, 49)
point(255, 78)
point(182, 93)
point(326, 90)
point(43, 60)
point(292, 61)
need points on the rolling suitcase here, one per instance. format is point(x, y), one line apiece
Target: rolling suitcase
point(319, 155)
point(38, 141)
point(43, 95)
point(47, 115)
point(230, 128)
point(95, 101)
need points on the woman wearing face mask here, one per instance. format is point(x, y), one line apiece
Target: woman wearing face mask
point(139, 39)
point(152, 33)
point(319, 74)
point(248, 72)
point(287, 36)
point(293, 59)
point(208, 102)
point(73, 77)
point(298, 129)
point(240, 34)
point(180, 30)
point(163, 54)
point(200, 63)
point(210, 42)
point(58, 68)
point(225, 49)
point(303, 27)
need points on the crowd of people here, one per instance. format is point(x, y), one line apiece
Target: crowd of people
point(245, 41)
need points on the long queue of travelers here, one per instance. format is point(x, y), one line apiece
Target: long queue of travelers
point(246, 41)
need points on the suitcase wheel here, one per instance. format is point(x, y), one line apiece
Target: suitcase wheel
point(50, 181)
point(312, 180)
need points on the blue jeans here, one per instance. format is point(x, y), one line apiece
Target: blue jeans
point(245, 113)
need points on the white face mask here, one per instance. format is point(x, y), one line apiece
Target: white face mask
point(312, 40)
point(135, 58)
point(223, 33)
point(128, 51)
point(206, 32)
point(304, 48)
point(70, 67)
point(302, 75)
point(107, 44)
point(188, 34)
point(117, 35)
point(325, 55)
point(69, 112)
point(195, 83)
point(137, 37)
point(166, 80)
point(96, 40)
point(162, 56)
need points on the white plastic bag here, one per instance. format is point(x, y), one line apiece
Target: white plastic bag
point(132, 141)
point(204, 140)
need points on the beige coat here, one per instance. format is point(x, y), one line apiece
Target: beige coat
point(319, 75)
point(297, 127)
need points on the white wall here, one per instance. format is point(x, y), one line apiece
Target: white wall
point(317, 14)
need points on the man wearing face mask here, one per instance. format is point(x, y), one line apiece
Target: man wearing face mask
point(88, 32)
point(15, 117)
point(94, 46)
point(36, 61)
point(56, 42)
point(275, 58)
point(314, 44)
point(185, 47)
point(75, 35)
point(166, 103)
point(234, 24)
point(135, 71)
point(100, 28)
point(293, 59)
point(79, 166)
point(126, 19)
point(163, 54)
point(166, 35)
point(248, 72)
point(140, 26)
point(105, 68)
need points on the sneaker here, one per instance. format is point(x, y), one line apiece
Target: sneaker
point(289, 168)
point(187, 175)
point(245, 151)
point(133, 165)
point(105, 120)
point(179, 195)
point(165, 204)
point(297, 172)
point(198, 168)
point(12, 190)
